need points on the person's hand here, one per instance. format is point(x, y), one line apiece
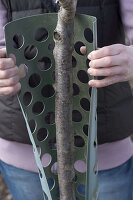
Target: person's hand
point(9, 75)
point(114, 62)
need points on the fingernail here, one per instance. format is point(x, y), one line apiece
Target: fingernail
point(91, 83)
point(89, 56)
point(90, 71)
point(23, 70)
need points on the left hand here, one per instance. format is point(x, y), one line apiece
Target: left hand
point(114, 62)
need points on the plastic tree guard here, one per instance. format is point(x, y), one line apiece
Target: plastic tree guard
point(30, 39)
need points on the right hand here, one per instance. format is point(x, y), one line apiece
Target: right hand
point(114, 63)
point(9, 75)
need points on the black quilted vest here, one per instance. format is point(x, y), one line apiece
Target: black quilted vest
point(115, 103)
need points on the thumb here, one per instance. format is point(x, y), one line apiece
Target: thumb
point(83, 50)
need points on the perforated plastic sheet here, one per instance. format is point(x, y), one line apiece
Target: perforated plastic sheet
point(31, 41)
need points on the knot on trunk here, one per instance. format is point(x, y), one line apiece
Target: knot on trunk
point(57, 35)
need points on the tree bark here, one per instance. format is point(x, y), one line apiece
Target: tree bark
point(64, 39)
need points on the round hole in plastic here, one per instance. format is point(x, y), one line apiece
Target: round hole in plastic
point(90, 89)
point(27, 98)
point(54, 168)
point(42, 134)
point(95, 144)
point(87, 63)
point(41, 34)
point(51, 183)
point(95, 170)
point(88, 34)
point(74, 62)
point(76, 116)
point(85, 104)
point(81, 189)
point(40, 173)
point(48, 91)
point(38, 108)
point(78, 141)
point(30, 52)
point(77, 47)
point(46, 159)
point(18, 41)
point(32, 125)
point(85, 129)
point(83, 76)
point(76, 89)
point(80, 166)
point(34, 80)
point(75, 178)
point(44, 63)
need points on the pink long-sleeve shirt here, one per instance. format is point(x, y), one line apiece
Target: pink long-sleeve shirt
point(109, 155)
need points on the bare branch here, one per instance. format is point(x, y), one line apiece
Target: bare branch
point(63, 37)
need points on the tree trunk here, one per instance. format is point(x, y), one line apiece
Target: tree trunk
point(64, 39)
